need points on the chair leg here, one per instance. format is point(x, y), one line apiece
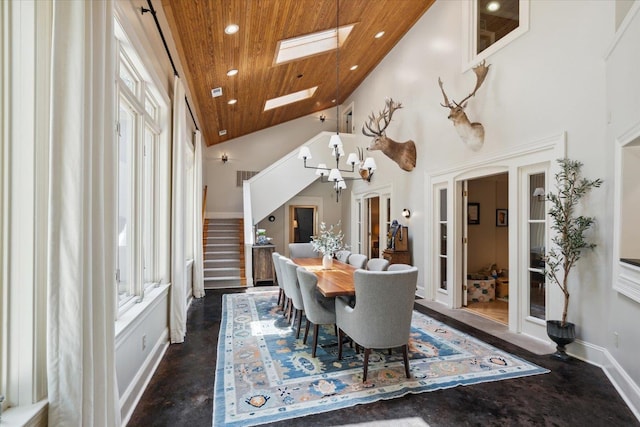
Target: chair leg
point(279, 298)
point(299, 323)
point(306, 332)
point(406, 360)
point(367, 351)
point(339, 344)
point(315, 338)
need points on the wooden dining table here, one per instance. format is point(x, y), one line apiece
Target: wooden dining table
point(337, 281)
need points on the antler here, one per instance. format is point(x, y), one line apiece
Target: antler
point(446, 104)
point(481, 71)
point(385, 115)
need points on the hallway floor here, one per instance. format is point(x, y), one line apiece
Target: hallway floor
point(572, 394)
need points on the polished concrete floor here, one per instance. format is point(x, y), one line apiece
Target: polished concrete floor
point(573, 394)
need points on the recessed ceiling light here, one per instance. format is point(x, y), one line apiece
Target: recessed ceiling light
point(290, 98)
point(353, 67)
point(222, 132)
point(232, 72)
point(379, 34)
point(232, 101)
point(231, 29)
point(492, 6)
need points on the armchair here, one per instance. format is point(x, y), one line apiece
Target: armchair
point(381, 318)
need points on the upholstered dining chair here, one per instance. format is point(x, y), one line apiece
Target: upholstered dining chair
point(302, 250)
point(293, 290)
point(399, 267)
point(318, 309)
point(282, 297)
point(377, 264)
point(343, 255)
point(288, 307)
point(358, 260)
point(381, 318)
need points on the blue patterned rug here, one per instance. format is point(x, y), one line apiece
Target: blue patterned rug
point(264, 374)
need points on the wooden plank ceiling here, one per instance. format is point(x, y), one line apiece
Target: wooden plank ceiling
point(207, 53)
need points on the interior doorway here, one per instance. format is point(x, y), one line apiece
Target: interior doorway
point(486, 270)
point(373, 227)
point(302, 224)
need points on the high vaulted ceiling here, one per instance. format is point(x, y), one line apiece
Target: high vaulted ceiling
point(207, 53)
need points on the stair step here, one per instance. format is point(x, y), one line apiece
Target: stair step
point(221, 255)
point(222, 262)
point(222, 272)
point(230, 240)
point(222, 282)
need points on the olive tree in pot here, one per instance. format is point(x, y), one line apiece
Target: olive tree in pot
point(569, 241)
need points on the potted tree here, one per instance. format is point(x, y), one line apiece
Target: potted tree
point(569, 241)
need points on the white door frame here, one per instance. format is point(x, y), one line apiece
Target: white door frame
point(542, 152)
point(384, 192)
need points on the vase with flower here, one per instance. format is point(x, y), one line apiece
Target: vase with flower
point(328, 242)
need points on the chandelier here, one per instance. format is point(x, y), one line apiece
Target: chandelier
point(333, 175)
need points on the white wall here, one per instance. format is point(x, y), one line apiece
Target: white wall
point(253, 152)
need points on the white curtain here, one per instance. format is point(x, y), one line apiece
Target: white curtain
point(178, 317)
point(82, 387)
point(198, 256)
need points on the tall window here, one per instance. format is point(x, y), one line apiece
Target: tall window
point(139, 128)
point(442, 237)
point(537, 238)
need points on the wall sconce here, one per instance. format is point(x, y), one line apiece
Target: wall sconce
point(406, 213)
point(224, 158)
point(322, 118)
point(539, 193)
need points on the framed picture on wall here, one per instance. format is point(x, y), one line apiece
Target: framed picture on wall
point(473, 213)
point(502, 217)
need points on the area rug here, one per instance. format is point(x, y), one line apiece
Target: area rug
point(264, 374)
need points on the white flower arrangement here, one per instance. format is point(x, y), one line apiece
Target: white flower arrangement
point(328, 242)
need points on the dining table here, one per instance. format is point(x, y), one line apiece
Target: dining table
point(333, 282)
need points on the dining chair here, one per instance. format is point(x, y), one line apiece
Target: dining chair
point(302, 250)
point(318, 309)
point(282, 297)
point(291, 282)
point(381, 318)
point(399, 267)
point(343, 255)
point(288, 309)
point(358, 260)
point(377, 264)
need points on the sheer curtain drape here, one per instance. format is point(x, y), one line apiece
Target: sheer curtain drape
point(82, 388)
point(178, 316)
point(198, 263)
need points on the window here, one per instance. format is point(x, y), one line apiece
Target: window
point(442, 237)
point(537, 239)
point(490, 25)
point(142, 112)
point(626, 262)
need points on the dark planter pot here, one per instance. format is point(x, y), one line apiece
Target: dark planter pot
point(561, 335)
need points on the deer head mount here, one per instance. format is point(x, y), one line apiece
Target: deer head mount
point(471, 134)
point(403, 153)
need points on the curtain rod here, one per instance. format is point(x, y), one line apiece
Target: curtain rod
point(166, 48)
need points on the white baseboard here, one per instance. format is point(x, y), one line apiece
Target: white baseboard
point(601, 357)
point(130, 398)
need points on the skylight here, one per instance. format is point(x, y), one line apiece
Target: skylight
point(310, 44)
point(289, 99)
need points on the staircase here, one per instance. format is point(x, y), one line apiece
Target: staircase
point(223, 253)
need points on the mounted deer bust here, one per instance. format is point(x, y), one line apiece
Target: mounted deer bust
point(403, 153)
point(472, 134)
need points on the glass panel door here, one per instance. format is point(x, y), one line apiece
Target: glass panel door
point(537, 238)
